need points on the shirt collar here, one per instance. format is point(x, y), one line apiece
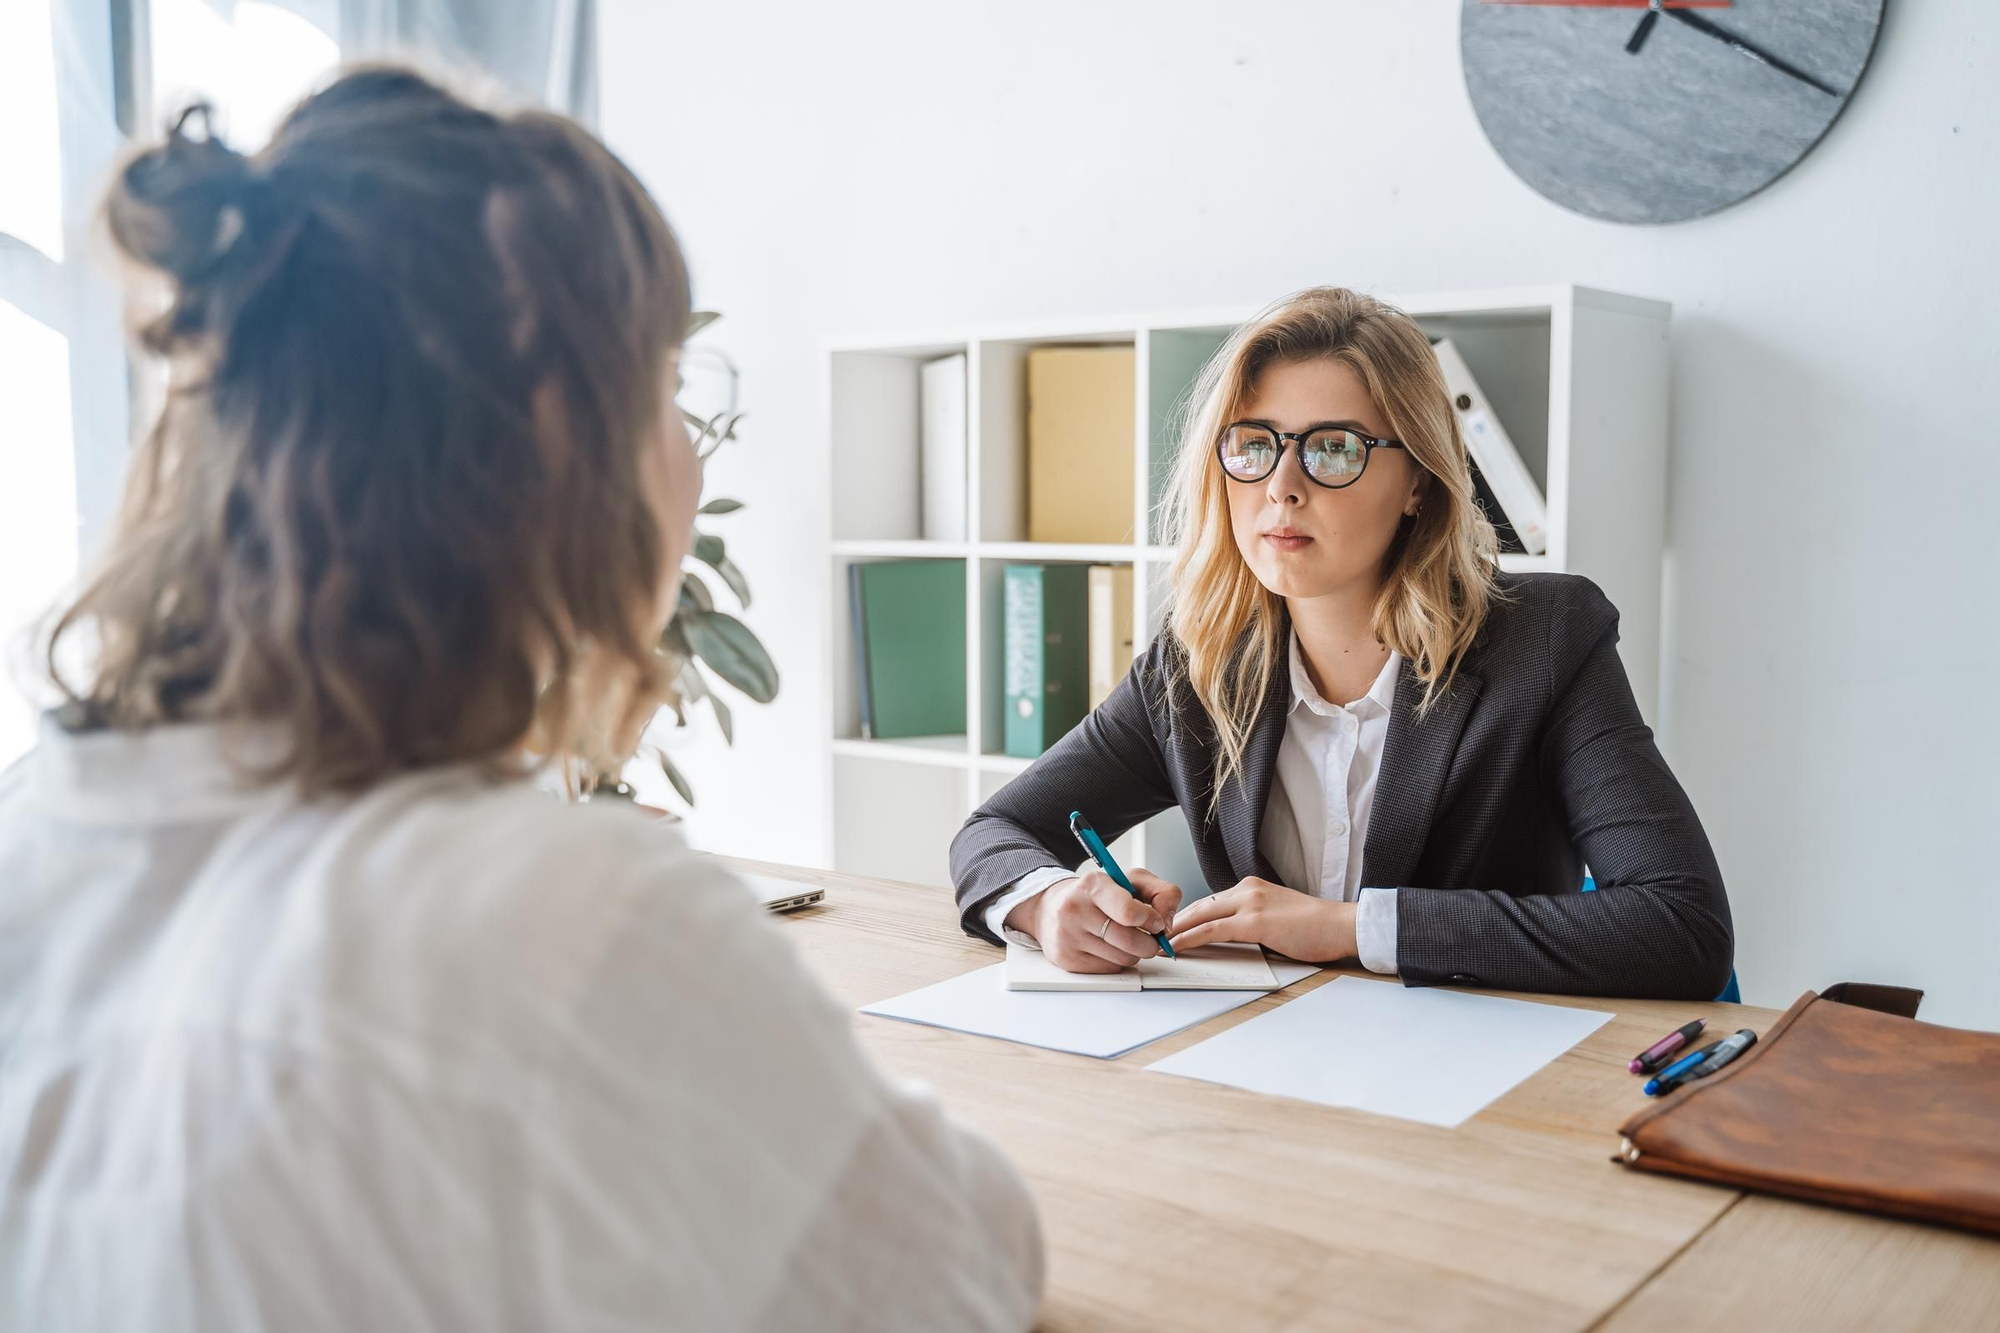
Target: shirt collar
point(165, 774)
point(1378, 702)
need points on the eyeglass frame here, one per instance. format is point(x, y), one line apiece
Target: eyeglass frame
point(1369, 444)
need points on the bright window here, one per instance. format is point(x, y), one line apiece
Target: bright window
point(37, 501)
point(30, 149)
point(252, 60)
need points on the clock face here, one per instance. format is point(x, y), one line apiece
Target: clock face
point(1687, 124)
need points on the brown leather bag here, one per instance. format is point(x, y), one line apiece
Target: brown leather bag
point(1847, 1100)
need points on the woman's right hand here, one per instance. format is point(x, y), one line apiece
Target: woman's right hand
point(1089, 924)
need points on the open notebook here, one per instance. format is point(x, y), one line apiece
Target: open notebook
point(1211, 967)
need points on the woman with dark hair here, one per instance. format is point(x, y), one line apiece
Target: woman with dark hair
point(314, 1012)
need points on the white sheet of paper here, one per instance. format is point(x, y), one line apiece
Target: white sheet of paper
point(1426, 1054)
point(1211, 967)
point(1102, 1024)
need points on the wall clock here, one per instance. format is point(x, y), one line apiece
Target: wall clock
point(1660, 110)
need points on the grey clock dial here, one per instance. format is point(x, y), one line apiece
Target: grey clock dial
point(1687, 124)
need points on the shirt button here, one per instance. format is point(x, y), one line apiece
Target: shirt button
point(1339, 830)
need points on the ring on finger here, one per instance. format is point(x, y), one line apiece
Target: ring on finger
point(1103, 927)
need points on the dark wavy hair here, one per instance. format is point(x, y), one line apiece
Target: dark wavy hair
point(417, 354)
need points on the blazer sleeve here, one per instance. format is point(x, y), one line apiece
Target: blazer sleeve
point(1112, 766)
point(1658, 925)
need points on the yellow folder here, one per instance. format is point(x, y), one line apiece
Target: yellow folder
point(1081, 429)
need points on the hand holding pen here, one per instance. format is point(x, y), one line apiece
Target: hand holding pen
point(1104, 920)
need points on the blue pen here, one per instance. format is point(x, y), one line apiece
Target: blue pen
point(1670, 1078)
point(1101, 854)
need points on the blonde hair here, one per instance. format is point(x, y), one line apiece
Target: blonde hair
point(1438, 574)
point(394, 504)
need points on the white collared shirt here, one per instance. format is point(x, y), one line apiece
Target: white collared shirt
point(1315, 823)
point(1322, 793)
point(443, 1054)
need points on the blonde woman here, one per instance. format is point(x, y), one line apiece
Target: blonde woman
point(1385, 749)
point(314, 1013)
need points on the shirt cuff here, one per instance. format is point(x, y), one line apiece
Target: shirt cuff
point(1024, 888)
point(1375, 930)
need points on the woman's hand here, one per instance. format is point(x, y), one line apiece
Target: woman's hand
point(1256, 911)
point(1089, 924)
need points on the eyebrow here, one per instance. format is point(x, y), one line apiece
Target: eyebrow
point(1317, 425)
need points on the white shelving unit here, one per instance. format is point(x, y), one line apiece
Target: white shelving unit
point(1577, 376)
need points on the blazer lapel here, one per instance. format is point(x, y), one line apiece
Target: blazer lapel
point(1241, 811)
point(1416, 758)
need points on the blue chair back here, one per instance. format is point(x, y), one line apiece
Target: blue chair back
point(1731, 994)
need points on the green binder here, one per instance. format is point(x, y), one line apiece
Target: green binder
point(909, 647)
point(1046, 643)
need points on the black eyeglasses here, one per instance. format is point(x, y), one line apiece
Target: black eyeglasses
point(1332, 456)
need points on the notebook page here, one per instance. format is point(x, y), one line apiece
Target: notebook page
point(1211, 967)
point(1030, 969)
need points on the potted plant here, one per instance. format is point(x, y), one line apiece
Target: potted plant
point(702, 637)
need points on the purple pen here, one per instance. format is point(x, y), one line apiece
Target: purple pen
point(1655, 1055)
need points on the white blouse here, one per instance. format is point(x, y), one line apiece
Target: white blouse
point(1315, 823)
point(447, 1054)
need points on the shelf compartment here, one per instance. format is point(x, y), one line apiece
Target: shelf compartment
point(843, 682)
point(1000, 429)
point(895, 820)
point(873, 402)
point(990, 706)
point(1174, 360)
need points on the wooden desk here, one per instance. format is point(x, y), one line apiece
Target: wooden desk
point(1173, 1204)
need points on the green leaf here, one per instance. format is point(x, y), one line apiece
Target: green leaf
point(692, 686)
point(723, 718)
point(695, 593)
point(733, 652)
point(734, 578)
point(721, 435)
point(701, 319)
point(722, 506)
point(674, 776)
point(707, 433)
point(707, 547)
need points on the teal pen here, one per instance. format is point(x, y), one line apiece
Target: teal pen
point(1101, 854)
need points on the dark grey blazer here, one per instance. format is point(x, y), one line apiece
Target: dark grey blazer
point(1535, 763)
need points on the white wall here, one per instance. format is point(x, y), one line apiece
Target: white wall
point(1831, 645)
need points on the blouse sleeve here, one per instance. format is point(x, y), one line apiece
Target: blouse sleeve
point(1111, 765)
point(719, 1151)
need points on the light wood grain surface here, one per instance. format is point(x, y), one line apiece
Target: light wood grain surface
point(1774, 1265)
point(1173, 1204)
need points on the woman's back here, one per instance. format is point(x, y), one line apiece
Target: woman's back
point(314, 1013)
point(443, 1054)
